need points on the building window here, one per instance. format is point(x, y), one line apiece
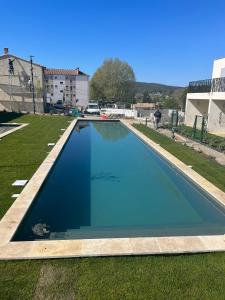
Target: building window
point(67, 95)
point(52, 94)
point(56, 86)
point(46, 80)
point(74, 95)
point(71, 88)
point(61, 91)
point(66, 77)
point(61, 82)
point(55, 77)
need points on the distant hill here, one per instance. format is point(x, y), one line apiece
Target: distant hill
point(156, 88)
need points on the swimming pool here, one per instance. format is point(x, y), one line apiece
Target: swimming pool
point(4, 127)
point(107, 183)
point(8, 128)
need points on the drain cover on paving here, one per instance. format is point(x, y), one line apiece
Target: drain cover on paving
point(15, 195)
point(19, 182)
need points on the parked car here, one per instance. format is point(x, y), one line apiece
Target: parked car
point(59, 105)
point(57, 108)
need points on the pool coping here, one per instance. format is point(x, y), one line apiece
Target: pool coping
point(106, 246)
point(20, 126)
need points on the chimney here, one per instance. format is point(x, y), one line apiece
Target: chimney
point(78, 71)
point(6, 51)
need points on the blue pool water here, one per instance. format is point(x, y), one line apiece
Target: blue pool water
point(108, 183)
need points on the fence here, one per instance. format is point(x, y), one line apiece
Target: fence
point(166, 116)
point(128, 113)
point(208, 85)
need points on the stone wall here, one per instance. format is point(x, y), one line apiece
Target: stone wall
point(15, 91)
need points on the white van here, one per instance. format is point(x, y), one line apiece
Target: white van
point(93, 108)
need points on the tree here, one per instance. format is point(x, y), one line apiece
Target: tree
point(146, 97)
point(171, 103)
point(138, 97)
point(113, 81)
point(182, 99)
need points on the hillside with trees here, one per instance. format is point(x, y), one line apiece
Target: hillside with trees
point(155, 87)
point(157, 92)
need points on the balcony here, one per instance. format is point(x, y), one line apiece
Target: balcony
point(216, 85)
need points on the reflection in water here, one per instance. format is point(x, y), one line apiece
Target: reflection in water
point(105, 176)
point(113, 132)
point(81, 125)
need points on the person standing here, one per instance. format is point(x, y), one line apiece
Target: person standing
point(157, 116)
point(11, 67)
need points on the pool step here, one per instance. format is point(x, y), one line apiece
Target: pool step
point(110, 232)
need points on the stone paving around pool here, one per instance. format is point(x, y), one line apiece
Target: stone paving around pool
point(101, 247)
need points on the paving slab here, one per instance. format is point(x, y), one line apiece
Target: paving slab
point(20, 182)
point(15, 195)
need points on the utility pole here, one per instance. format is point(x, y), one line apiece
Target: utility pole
point(11, 73)
point(32, 82)
point(10, 83)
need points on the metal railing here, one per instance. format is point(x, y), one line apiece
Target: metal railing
point(207, 85)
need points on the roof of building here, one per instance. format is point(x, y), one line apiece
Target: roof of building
point(145, 105)
point(47, 71)
point(63, 72)
point(16, 57)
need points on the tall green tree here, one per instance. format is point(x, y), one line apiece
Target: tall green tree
point(113, 81)
point(171, 103)
point(146, 97)
point(182, 99)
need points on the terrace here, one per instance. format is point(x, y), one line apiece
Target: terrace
point(215, 85)
point(207, 98)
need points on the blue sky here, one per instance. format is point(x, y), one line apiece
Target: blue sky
point(171, 42)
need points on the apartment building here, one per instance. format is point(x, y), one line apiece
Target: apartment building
point(69, 86)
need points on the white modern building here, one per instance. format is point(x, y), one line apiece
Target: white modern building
point(207, 98)
point(69, 86)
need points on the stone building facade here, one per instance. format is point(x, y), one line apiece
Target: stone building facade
point(16, 90)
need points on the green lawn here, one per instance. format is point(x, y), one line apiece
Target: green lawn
point(23, 151)
point(202, 164)
point(148, 277)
